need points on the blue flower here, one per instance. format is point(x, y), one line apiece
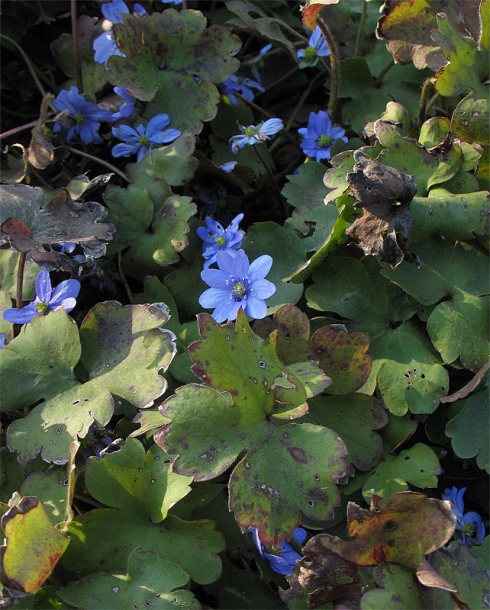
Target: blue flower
point(87, 115)
point(47, 299)
point(216, 239)
point(229, 166)
point(2, 340)
point(171, 1)
point(243, 86)
point(251, 134)
point(237, 284)
point(285, 562)
point(470, 524)
point(320, 135)
point(104, 45)
point(66, 247)
point(141, 139)
point(317, 47)
point(126, 109)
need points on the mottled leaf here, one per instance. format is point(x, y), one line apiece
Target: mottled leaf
point(418, 466)
point(129, 477)
point(34, 546)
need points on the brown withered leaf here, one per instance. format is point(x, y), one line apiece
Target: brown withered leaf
point(385, 194)
point(31, 226)
point(329, 578)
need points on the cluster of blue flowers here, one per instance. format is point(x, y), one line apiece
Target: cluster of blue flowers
point(236, 283)
point(285, 562)
point(469, 525)
point(47, 299)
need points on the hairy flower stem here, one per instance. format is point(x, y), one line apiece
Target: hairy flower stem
point(20, 279)
point(383, 73)
point(423, 99)
point(117, 171)
point(14, 130)
point(280, 202)
point(360, 31)
point(334, 62)
point(27, 61)
point(76, 47)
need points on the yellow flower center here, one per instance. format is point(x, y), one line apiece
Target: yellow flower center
point(42, 307)
point(239, 289)
point(324, 140)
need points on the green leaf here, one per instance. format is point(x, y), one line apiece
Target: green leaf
point(118, 341)
point(470, 120)
point(401, 83)
point(235, 359)
point(467, 66)
point(105, 538)
point(407, 155)
point(150, 582)
point(468, 439)
point(355, 419)
point(51, 427)
point(54, 489)
point(131, 478)
point(39, 362)
point(418, 466)
point(407, 371)
point(458, 326)
point(172, 60)
point(397, 589)
point(9, 263)
point(288, 253)
point(172, 164)
point(458, 564)
point(455, 216)
point(286, 472)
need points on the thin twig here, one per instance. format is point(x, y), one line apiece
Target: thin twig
point(360, 31)
point(100, 162)
point(383, 73)
point(20, 278)
point(122, 275)
point(27, 61)
point(280, 201)
point(15, 130)
point(334, 61)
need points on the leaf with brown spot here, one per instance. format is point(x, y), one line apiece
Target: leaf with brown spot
point(33, 548)
point(407, 27)
point(342, 356)
point(401, 529)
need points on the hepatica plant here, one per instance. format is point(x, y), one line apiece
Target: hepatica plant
point(244, 343)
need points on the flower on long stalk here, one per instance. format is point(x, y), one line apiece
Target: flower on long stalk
point(217, 239)
point(87, 115)
point(317, 47)
point(139, 140)
point(320, 136)
point(253, 134)
point(47, 299)
point(237, 283)
point(470, 524)
point(285, 562)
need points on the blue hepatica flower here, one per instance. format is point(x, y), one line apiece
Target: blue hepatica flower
point(141, 139)
point(243, 86)
point(229, 166)
point(251, 135)
point(217, 239)
point(105, 46)
point(317, 47)
point(470, 524)
point(320, 136)
point(237, 284)
point(285, 562)
point(171, 1)
point(47, 299)
point(2, 340)
point(126, 109)
point(87, 115)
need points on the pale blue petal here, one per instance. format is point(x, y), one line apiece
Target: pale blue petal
point(20, 316)
point(215, 278)
point(260, 267)
point(68, 289)
point(212, 297)
point(263, 289)
point(228, 310)
point(255, 308)
point(43, 286)
point(124, 150)
point(156, 124)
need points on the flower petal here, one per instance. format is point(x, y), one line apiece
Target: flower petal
point(43, 286)
point(156, 124)
point(213, 297)
point(20, 316)
point(255, 308)
point(263, 289)
point(260, 267)
point(68, 289)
